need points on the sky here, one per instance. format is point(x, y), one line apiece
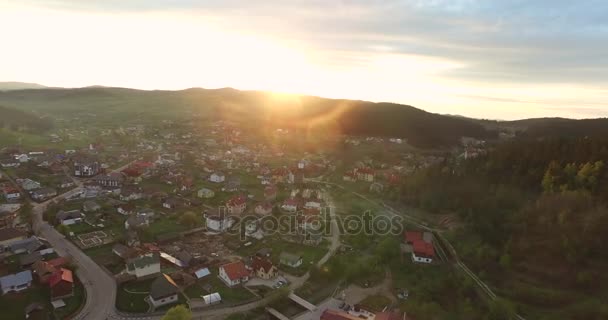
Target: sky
point(507, 59)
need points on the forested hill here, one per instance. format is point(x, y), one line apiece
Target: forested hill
point(17, 120)
point(536, 213)
point(419, 127)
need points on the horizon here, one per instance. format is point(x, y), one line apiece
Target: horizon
point(505, 60)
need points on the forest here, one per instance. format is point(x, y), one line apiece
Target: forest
point(536, 218)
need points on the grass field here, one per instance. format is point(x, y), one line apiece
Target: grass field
point(229, 295)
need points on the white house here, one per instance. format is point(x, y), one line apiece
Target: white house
point(217, 177)
point(218, 222)
point(234, 273)
point(144, 265)
point(69, 217)
point(163, 291)
point(290, 260)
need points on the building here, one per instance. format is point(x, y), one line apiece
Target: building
point(11, 193)
point(90, 206)
point(85, 167)
point(113, 179)
point(236, 204)
point(69, 217)
point(290, 205)
point(205, 193)
point(144, 266)
point(136, 222)
point(264, 268)
point(9, 236)
point(61, 284)
point(28, 184)
point(270, 193)
point(263, 208)
point(16, 282)
point(290, 260)
point(43, 194)
point(217, 177)
point(131, 192)
point(163, 291)
point(219, 222)
point(234, 273)
point(420, 244)
point(365, 174)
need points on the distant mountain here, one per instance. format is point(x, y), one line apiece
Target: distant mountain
point(252, 108)
point(6, 86)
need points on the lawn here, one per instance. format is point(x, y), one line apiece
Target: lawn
point(133, 301)
point(13, 304)
point(73, 303)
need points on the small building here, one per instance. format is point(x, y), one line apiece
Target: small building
point(129, 193)
point(123, 251)
point(234, 273)
point(421, 246)
point(236, 204)
point(264, 268)
point(144, 266)
point(43, 194)
point(28, 184)
point(136, 222)
point(11, 193)
point(16, 282)
point(205, 193)
point(270, 193)
point(9, 236)
point(126, 208)
point(290, 259)
point(290, 205)
point(86, 167)
point(69, 217)
point(217, 177)
point(263, 208)
point(163, 291)
point(218, 222)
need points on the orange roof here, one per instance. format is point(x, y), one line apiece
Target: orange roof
point(61, 275)
point(235, 270)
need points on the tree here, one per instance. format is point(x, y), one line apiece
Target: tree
point(26, 213)
point(63, 229)
point(178, 313)
point(189, 219)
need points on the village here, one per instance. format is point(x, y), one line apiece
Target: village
point(182, 217)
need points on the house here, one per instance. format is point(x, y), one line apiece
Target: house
point(421, 246)
point(43, 271)
point(131, 192)
point(144, 265)
point(234, 273)
point(163, 291)
point(43, 194)
point(22, 158)
point(205, 193)
point(132, 239)
point(62, 284)
point(28, 184)
point(123, 251)
point(27, 260)
point(290, 205)
point(86, 167)
point(171, 203)
point(28, 245)
point(270, 193)
point(365, 174)
point(217, 177)
point(9, 163)
point(16, 282)
point(36, 311)
point(8, 214)
point(236, 204)
point(65, 183)
point(113, 179)
point(263, 208)
point(376, 187)
point(11, 193)
point(218, 222)
point(264, 268)
point(135, 222)
point(69, 217)
point(126, 209)
point(9, 236)
point(290, 260)
point(90, 206)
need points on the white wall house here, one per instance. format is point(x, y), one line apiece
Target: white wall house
point(234, 273)
point(144, 265)
point(217, 177)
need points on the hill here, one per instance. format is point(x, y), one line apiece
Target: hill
point(263, 109)
point(11, 85)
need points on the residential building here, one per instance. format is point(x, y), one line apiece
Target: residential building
point(290, 205)
point(420, 244)
point(16, 282)
point(144, 266)
point(113, 179)
point(163, 291)
point(234, 273)
point(61, 284)
point(28, 184)
point(217, 177)
point(69, 217)
point(205, 193)
point(90, 206)
point(236, 204)
point(9, 236)
point(11, 193)
point(263, 208)
point(43, 194)
point(218, 221)
point(264, 268)
point(290, 259)
point(86, 167)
